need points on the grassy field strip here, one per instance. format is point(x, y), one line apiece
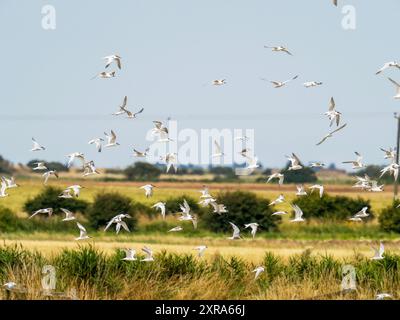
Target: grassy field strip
point(250, 251)
point(164, 190)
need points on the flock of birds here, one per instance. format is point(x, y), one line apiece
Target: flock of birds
point(161, 131)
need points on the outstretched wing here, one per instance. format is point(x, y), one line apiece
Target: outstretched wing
point(338, 129)
point(236, 230)
point(323, 140)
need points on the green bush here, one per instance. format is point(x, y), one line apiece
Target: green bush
point(142, 171)
point(10, 222)
point(109, 204)
point(48, 198)
point(331, 207)
point(6, 166)
point(243, 207)
point(389, 218)
point(305, 175)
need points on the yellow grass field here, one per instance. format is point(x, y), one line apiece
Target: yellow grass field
point(249, 250)
point(31, 187)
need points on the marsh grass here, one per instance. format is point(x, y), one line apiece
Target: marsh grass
point(95, 275)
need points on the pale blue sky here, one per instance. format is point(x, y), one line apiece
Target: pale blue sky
point(171, 48)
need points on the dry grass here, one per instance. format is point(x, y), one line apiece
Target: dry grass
point(31, 187)
point(93, 275)
point(249, 250)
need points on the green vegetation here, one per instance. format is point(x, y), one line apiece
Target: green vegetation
point(49, 198)
point(389, 219)
point(107, 205)
point(5, 166)
point(331, 207)
point(142, 171)
point(305, 175)
point(10, 223)
point(243, 207)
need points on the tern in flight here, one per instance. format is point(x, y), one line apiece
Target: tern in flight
point(218, 208)
point(39, 166)
point(200, 250)
point(312, 84)
point(3, 189)
point(374, 187)
point(118, 222)
point(330, 134)
point(148, 188)
point(66, 194)
point(279, 213)
point(236, 232)
point(277, 175)
point(149, 254)
point(140, 154)
point(332, 114)
point(242, 138)
point(49, 173)
point(176, 229)
point(254, 226)
point(130, 255)
point(362, 213)
point(378, 252)
point(185, 214)
point(10, 182)
point(161, 131)
point(82, 232)
point(206, 202)
point(258, 271)
point(252, 163)
point(298, 214)
point(219, 82)
point(111, 58)
point(97, 142)
point(161, 207)
point(280, 199)
point(357, 164)
point(111, 139)
point(104, 75)
point(122, 107)
point(73, 156)
point(300, 191)
point(317, 165)
point(69, 216)
point(76, 188)
point(49, 211)
point(279, 49)
point(218, 151)
point(387, 65)
point(392, 169)
point(280, 84)
point(390, 153)
point(319, 187)
point(89, 169)
point(205, 193)
point(132, 115)
point(37, 146)
point(397, 96)
point(295, 162)
point(383, 296)
point(171, 160)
